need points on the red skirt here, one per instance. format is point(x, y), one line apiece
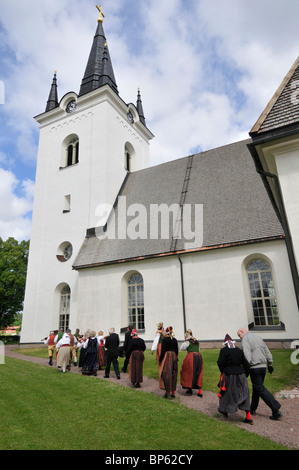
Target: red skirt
point(192, 371)
point(101, 356)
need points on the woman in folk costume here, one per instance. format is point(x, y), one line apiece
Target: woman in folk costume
point(101, 351)
point(63, 356)
point(169, 364)
point(90, 364)
point(135, 356)
point(192, 366)
point(234, 390)
point(157, 343)
point(81, 348)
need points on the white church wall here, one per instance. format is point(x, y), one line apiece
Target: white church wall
point(216, 293)
point(287, 163)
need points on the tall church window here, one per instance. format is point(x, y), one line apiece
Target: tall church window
point(128, 162)
point(72, 153)
point(262, 293)
point(129, 157)
point(136, 302)
point(64, 310)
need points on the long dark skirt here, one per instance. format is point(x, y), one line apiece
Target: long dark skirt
point(136, 367)
point(192, 371)
point(169, 372)
point(236, 395)
point(101, 357)
point(90, 364)
point(81, 357)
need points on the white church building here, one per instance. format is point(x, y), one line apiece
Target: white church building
point(208, 242)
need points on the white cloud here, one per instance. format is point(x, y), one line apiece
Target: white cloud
point(15, 211)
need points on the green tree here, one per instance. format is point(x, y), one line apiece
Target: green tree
point(13, 269)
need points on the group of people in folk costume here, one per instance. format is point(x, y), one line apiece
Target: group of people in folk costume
point(166, 347)
point(99, 351)
point(235, 364)
point(96, 352)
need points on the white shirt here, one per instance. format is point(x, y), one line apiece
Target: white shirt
point(65, 340)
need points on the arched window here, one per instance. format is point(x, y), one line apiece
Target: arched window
point(136, 302)
point(262, 293)
point(72, 152)
point(129, 157)
point(64, 309)
point(128, 161)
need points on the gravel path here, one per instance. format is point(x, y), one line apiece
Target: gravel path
point(284, 431)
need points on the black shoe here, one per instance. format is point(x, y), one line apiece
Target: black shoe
point(253, 413)
point(106, 376)
point(118, 377)
point(224, 413)
point(189, 391)
point(276, 416)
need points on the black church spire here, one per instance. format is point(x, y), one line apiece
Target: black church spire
point(52, 102)
point(140, 108)
point(99, 70)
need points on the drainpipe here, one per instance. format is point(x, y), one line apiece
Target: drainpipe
point(183, 293)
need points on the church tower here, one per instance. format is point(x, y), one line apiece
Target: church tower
point(88, 143)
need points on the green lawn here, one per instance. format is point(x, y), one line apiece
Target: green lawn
point(44, 409)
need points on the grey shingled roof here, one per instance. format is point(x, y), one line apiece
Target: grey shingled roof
point(283, 109)
point(236, 207)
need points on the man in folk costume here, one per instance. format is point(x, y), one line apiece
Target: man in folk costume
point(234, 368)
point(51, 346)
point(168, 371)
point(64, 350)
point(128, 339)
point(112, 349)
point(135, 357)
point(192, 366)
point(157, 343)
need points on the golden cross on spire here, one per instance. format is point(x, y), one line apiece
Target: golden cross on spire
point(100, 19)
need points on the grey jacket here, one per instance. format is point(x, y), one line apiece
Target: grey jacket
point(256, 351)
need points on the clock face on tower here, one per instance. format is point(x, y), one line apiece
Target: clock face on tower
point(130, 117)
point(71, 106)
point(68, 251)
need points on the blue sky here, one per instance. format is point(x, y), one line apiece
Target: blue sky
point(206, 70)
